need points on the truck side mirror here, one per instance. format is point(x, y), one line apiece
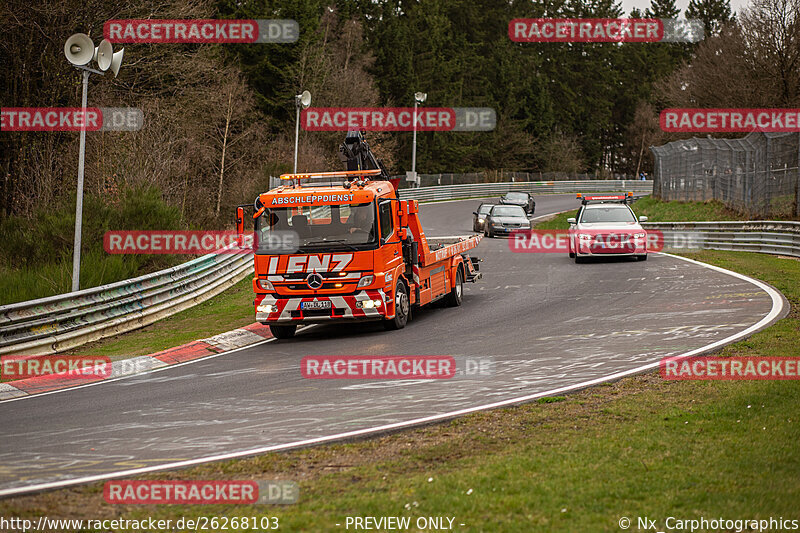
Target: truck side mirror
point(239, 225)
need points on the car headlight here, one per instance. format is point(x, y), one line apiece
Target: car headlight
point(365, 281)
point(639, 235)
point(265, 285)
point(497, 224)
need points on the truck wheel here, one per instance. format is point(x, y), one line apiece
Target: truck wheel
point(401, 308)
point(283, 332)
point(457, 292)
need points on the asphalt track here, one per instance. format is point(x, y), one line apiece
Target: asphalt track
point(547, 324)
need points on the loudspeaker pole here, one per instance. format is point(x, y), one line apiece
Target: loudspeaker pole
point(80, 51)
point(76, 255)
point(296, 137)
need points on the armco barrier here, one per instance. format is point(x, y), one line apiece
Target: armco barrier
point(61, 322)
point(764, 236)
point(479, 190)
point(65, 321)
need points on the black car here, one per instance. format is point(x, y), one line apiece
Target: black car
point(479, 216)
point(522, 199)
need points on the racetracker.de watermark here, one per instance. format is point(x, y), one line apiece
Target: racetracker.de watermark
point(730, 368)
point(14, 367)
point(71, 119)
point(378, 367)
point(153, 31)
point(730, 120)
point(558, 240)
point(177, 242)
point(604, 30)
point(398, 119)
point(193, 492)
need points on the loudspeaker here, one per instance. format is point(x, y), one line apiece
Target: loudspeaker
point(304, 99)
point(79, 49)
point(116, 61)
point(103, 53)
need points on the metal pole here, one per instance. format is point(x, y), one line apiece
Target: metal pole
point(414, 145)
point(296, 136)
point(76, 254)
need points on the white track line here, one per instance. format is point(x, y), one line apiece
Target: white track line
point(778, 306)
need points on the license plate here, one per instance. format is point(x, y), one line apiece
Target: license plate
point(320, 304)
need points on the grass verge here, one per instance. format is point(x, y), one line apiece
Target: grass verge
point(639, 447)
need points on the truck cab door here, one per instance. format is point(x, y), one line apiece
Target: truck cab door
point(390, 253)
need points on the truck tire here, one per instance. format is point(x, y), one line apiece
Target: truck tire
point(402, 308)
point(283, 332)
point(456, 295)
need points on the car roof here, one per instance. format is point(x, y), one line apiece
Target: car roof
point(508, 206)
point(597, 206)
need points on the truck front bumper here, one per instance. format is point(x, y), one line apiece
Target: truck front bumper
point(364, 305)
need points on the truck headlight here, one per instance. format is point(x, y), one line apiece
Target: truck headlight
point(365, 281)
point(266, 285)
point(368, 304)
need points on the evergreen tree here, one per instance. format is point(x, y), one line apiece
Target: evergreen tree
point(662, 9)
point(713, 13)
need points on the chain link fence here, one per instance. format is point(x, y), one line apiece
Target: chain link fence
point(503, 176)
point(757, 174)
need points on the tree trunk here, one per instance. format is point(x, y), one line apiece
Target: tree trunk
point(224, 146)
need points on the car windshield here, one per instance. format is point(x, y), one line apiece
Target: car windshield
point(517, 197)
point(345, 226)
point(484, 208)
point(508, 211)
point(607, 214)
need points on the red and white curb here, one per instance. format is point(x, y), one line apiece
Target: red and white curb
point(224, 342)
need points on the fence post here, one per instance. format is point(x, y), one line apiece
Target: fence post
point(797, 180)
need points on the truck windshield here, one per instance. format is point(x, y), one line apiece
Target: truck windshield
point(345, 226)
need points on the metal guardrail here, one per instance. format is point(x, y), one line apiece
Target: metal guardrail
point(479, 190)
point(763, 236)
point(61, 322)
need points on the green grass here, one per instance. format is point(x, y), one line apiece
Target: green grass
point(97, 268)
point(638, 447)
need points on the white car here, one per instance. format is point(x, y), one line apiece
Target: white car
point(606, 227)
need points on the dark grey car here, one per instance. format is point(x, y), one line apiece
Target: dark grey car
point(522, 199)
point(479, 216)
point(504, 219)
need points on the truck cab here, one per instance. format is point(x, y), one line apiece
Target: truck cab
point(348, 251)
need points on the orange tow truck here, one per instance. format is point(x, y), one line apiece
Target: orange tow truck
point(350, 250)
